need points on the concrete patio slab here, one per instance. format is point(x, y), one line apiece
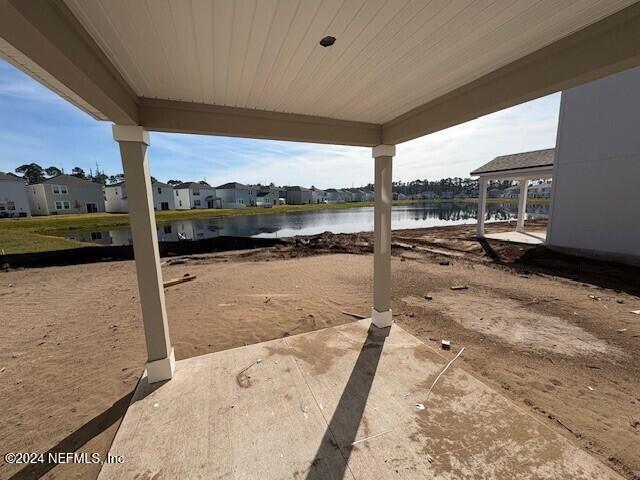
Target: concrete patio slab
point(531, 238)
point(333, 404)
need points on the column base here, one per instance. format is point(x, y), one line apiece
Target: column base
point(381, 319)
point(161, 370)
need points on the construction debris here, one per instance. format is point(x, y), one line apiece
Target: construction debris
point(635, 312)
point(446, 344)
point(459, 287)
point(428, 297)
point(442, 373)
point(419, 406)
point(354, 315)
point(176, 281)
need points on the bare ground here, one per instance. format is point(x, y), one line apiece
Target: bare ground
point(554, 333)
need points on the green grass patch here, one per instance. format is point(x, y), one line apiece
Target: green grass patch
point(21, 241)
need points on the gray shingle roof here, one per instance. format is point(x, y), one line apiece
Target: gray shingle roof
point(518, 161)
point(191, 184)
point(65, 179)
point(232, 186)
point(10, 177)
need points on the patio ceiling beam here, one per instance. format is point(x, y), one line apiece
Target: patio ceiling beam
point(185, 117)
point(603, 48)
point(49, 36)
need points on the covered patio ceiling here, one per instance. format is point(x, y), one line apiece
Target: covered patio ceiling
point(399, 69)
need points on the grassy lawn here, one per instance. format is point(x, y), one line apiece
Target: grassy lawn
point(37, 234)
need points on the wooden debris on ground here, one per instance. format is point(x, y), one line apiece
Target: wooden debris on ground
point(459, 287)
point(176, 281)
point(354, 315)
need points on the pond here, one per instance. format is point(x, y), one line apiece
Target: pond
point(310, 222)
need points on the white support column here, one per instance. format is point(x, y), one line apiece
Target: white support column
point(482, 206)
point(381, 311)
point(133, 142)
point(522, 204)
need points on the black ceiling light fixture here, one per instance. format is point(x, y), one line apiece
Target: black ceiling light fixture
point(328, 41)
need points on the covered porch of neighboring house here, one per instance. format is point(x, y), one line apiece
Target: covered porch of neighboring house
point(213, 202)
point(337, 403)
point(522, 167)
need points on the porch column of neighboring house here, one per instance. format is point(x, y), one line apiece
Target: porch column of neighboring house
point(522, 204)
point(482, 206)
point(381, 311)
point(133, 142)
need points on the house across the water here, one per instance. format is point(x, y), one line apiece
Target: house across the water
point(13, 196)
point(65, 194)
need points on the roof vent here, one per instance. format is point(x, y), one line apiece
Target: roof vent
point(328, 41)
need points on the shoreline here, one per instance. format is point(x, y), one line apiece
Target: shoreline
point(46, 233)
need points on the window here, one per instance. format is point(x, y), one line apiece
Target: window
point(196, 203)
point(177, 193)
point(160, 190)
point(3, 207)
point(11, 205)
point(62, 205)
point(167, 229)
point(180, 202)
point(58, 205)
point(55, 188)
point(96, 235)
point(59, 189)
point(196, 193)
point(63, 189)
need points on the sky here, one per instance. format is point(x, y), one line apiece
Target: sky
point(38, 126)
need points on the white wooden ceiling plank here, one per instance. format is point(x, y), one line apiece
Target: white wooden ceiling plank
point(163, 21)
point(303, 19)
point(281, 23)
point(138, 33)
point(363, 45)
point(222, 32)
point(96, 22)
point(258, 42)
point(477, 32)
point(202, 11)
point(347, 27)
point(445, 19)
point(183, 39)
point(529, 31)
point(243, 24)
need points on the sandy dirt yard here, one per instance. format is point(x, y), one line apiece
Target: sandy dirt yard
point(552, 333)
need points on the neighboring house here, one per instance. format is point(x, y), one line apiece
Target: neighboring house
point(13, 196)
point(333, 196)
point(115, 197)
point(357, 195)
point(318, 196)
point(446, 195)
point(494, 193)
point(346, 195)
point(428, 195)
point(511, 192)
point(595, 200)
point(541, 190)
point(236, 195)
point(299, 195)
point(267, 197)
point(369, 196)
point(65, 194)
point(195, 195)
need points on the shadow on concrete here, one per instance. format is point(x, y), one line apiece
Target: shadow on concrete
point(77, 439)
point(332, 458)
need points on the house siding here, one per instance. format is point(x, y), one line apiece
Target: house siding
point(13, 194)
point(598, 150)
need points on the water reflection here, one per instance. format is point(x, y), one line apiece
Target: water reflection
point(312, 222)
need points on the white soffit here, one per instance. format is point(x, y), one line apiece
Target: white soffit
point(390, 55)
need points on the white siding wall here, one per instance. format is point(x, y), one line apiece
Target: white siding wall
point(182, 199)
point(161, 194)
point(115, 199)
point(14, 193)
point(597, 167)
point(37, 200)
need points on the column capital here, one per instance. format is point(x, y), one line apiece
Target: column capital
point(383, 151)
point(130, 133)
